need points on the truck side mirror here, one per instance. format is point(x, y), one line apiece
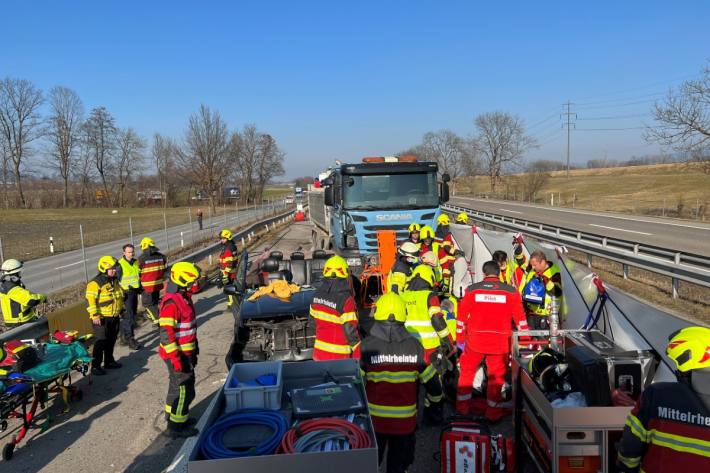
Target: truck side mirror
point(328, 196)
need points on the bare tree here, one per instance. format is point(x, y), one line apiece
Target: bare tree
point(130, 157)
point(537, 175)
point(447, 149)
point(63, 126)
point(204, 154)
point(84, 170)
point(5, 155)
point(683, 120)
point(19, 122)
point(270, 162)
point(500, 142)
point(163, 152)
point(100, 135)
point(248, 159)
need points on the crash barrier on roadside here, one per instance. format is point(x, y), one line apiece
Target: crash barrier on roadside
point(679, 266)
point(40, 328)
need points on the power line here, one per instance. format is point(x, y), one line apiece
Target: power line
point(616, 117)
point(666, 82)
point(618, 105)
point(623, 99)
point(613, 129)
point(535, 125)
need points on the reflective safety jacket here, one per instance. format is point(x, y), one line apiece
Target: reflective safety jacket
point(335, 315)
point(105, 297)
point(422, 307)
point(228, 261)
point(18, 304)
point(178, 324)
point(487, 314)
point(392, 365)
point(552, 279)
point(513, 275)
point(668, 430)
point(398, 276)
point(129, 273)
point(152, 264)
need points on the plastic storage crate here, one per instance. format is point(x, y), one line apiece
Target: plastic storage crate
point(253, 397)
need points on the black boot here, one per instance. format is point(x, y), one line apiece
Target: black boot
point(133, 344)
point(180, 430)
point(98, 371)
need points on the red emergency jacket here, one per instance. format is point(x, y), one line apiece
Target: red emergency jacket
point(178, 325)
point(152, 264)
point(487, 314)
point(335, 315)
point(228, 261)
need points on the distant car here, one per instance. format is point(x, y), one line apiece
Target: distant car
point(289, 199)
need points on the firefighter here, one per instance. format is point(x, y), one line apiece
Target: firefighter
point(179, 347)
point(425, 320)
point(128, 274)
point(462, 218)
point(444, 248)
point(394, 364)
point(669, 427)
point(541, 283)
point(228, 261)
point(335, 314)
point(510, 272)
point(19, 305)
point(426, 238)
point(408, 257)
point(486, 314)
point(152, 264)
point(414, 233)
point(105, 304)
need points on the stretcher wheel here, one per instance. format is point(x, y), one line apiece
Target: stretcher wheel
point(7, 451)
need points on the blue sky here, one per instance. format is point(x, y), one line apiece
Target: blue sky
point(348, 79)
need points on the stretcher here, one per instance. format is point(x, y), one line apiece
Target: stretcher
point(22, 393)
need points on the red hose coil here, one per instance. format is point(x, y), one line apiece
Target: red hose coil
point(357, 438)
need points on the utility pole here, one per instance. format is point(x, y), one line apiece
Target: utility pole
point(569, 125)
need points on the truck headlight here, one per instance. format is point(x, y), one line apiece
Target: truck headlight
point(350, 241)
point(354, 262)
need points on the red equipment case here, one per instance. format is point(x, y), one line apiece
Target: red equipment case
point(465, 448)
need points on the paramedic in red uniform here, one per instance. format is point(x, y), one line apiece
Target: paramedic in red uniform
point(335, 313)
point(152, 264)
point(487, 314)
point(668, 430)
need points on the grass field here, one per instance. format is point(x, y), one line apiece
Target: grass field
point(25, 233)
point(671, 190)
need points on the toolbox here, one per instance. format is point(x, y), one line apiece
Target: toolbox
point(296, 375)
point(574, 439)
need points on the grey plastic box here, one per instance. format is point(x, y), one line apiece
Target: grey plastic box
point(253, 397)
point(295, 375)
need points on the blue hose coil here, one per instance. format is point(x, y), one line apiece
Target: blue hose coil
point(212, 443)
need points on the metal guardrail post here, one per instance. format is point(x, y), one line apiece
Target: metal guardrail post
point(675, 283)
point(625, 270)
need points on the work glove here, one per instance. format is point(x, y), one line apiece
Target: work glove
point(441, 363)
point(96, 321)
point(447, 347)
point(518, 240)
point(177, 363)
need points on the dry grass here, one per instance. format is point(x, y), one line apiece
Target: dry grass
point(672, 190)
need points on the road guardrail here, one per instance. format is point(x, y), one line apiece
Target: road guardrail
point(679, 266)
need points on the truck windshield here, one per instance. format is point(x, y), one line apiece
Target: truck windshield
point(395, 191)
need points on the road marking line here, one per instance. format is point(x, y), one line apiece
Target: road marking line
point(71, 264)
point(619, 229)
point(587, 212)
point(510, 211)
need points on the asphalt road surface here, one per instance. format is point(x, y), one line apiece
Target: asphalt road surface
point(672, 234)
point(53, 273)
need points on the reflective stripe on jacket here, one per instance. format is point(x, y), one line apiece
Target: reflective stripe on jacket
point(178, 326)
point(18, 304)
point(104, 296)
point(552, 280)
point(228, 261)
point(152, 264)
point(130, 274)
point(331, 311)
point(419, 313)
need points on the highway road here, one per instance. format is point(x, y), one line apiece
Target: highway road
point(672, 234)
point(53, 273)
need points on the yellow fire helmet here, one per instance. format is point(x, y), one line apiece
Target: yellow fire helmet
point(226, 233)
point(690, 348)
point(335, 267)
point(426, 232)
point(390, 305)
point(425, 272)
point(462, 217)
point(184, 274)
point(146, 243)
point(414, 227)
point(106, 263)
point(443, 219)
